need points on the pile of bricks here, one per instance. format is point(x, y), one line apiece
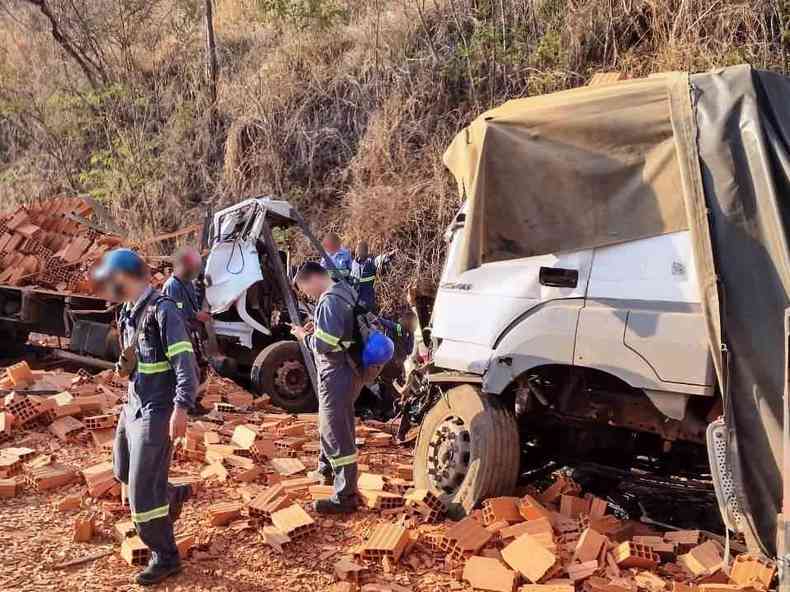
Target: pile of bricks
point(53, 243)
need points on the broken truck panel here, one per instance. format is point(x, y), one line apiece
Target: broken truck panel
point(602, 229)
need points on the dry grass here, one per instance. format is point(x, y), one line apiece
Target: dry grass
point(346, 115)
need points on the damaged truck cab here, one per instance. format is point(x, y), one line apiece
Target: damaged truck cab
point(581, 302)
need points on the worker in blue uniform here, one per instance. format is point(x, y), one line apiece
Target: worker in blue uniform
point(159, 361)
point(364, 269)
point(340, 256)
point(183, 287)
point(338, 383)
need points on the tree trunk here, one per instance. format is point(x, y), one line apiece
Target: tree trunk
point(211, 54)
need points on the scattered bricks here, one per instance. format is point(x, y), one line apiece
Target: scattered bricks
point(290, 446)
point(274, 538)
point(388, 540)
point(630, 554)
point(649, 581)
point(50, 477)
point(378, 439)
point(572, 506)
point(498, 509)
point(252, 474)
point(99, 478)
point(24, 409)
point(224, 513)
point(262, 450)
point(100, 422)
point(296, 429)
point(489, 574)
point(19, 374)
point(703, 560)
point(532, 509)
point(287, 466)
point(214, 438)
point(244, 436)
point(589, 546)
point(10, 465)
point(528, 557)
point(399, 486)
point(319, 492)
point(541, 526)
point(684, 539)
point(65, 428)
point(752, 570)
point(70, 502)
point(598, 508)
point(666, 551)
point(103, 438)
point(563, 524)
point(134, 551)
point(381, 500)
point(581, 571)
point(269, 501)
point(547, 588)
point(185, 543)
point(468, 537)
point(425, 504)
point(218, 452)
point(9, 487)
point(404, 471)
point(83, 528)
point(124, 530)
point(239, 462)
point(293, 521)
point(347, 570)
point(371, 481)
point(23, 454)
point(215, 470)
point(6, 423)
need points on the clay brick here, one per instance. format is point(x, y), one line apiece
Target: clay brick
point(581, 571)
point(542, 526)
point(99, 478)
point(650, 581)
point(589, 546)
point(371, 481)
point(497, 509)
point(263, 449)
point(214, 438)
point(184, 543)
point(598, 508)
point(547, 588)
point(561, 485)
point(704, 559)
point(6, 423)
point(630, 554)
point(532, 509)
point(691, 538)
point(239, 462)
point(134, 551)
point(274, 538)
point(103, 438)
point(404, 471)
point(489, 574)
point(22, 453)
point(9, 487)
point(272, 499)
point(50, 477)
point(215, 470)
point(19, 374)
point(244, 436)
point(9, 465)
point(349, 571)
point(70, 502)
point(387, 540)
point(381, 500)
point(751, 570)
point(224, 513)
point(319, 492)
point(252, 474)
point(468, 536)
point(83, 528)
point(572, 506)
point(529, 557)
point(24, 409)
point(287, 466)
point(100, 422)
point(424, 504)
point(293, 521)
point(296, 429)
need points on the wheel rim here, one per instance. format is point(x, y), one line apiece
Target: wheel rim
point(449, 453)
point(291, 379)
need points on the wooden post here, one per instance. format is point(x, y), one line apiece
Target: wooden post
point(211, 53)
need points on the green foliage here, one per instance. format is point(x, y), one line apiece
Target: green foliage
point(302, 14)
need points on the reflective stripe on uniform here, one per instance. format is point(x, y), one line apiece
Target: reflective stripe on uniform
point(367, 279)
point(179, 347)
point(152, 367)
point(327, 337)
point(399, 330)
point(159, 512)
point(180, 304)
point(343, 461)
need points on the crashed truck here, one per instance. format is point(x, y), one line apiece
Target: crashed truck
point(618, 278)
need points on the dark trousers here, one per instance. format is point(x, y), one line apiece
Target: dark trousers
point(141, 460)
point(338, 389)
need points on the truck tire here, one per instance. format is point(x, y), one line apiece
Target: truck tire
point(279, 372)
point(467, 450)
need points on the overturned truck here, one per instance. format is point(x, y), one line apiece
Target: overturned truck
point(618, 276)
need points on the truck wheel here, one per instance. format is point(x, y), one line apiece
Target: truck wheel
point(279, 372)
point(467, 451)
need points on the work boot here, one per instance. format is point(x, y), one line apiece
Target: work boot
point(327, 506)
point(156, 572)
point(178, 496)
point(321, 478)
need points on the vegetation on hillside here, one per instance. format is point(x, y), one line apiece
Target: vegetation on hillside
point(343, 106)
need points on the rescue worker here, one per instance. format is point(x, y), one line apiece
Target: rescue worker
point(182, 286)
point(162, 383)
point(364, 268)
point(338, 383)
point(340, 256)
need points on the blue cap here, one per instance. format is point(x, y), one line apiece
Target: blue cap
point(119, 261)
point(378, 349)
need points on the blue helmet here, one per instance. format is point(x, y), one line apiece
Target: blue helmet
point(378, 349)
point(119, 261)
